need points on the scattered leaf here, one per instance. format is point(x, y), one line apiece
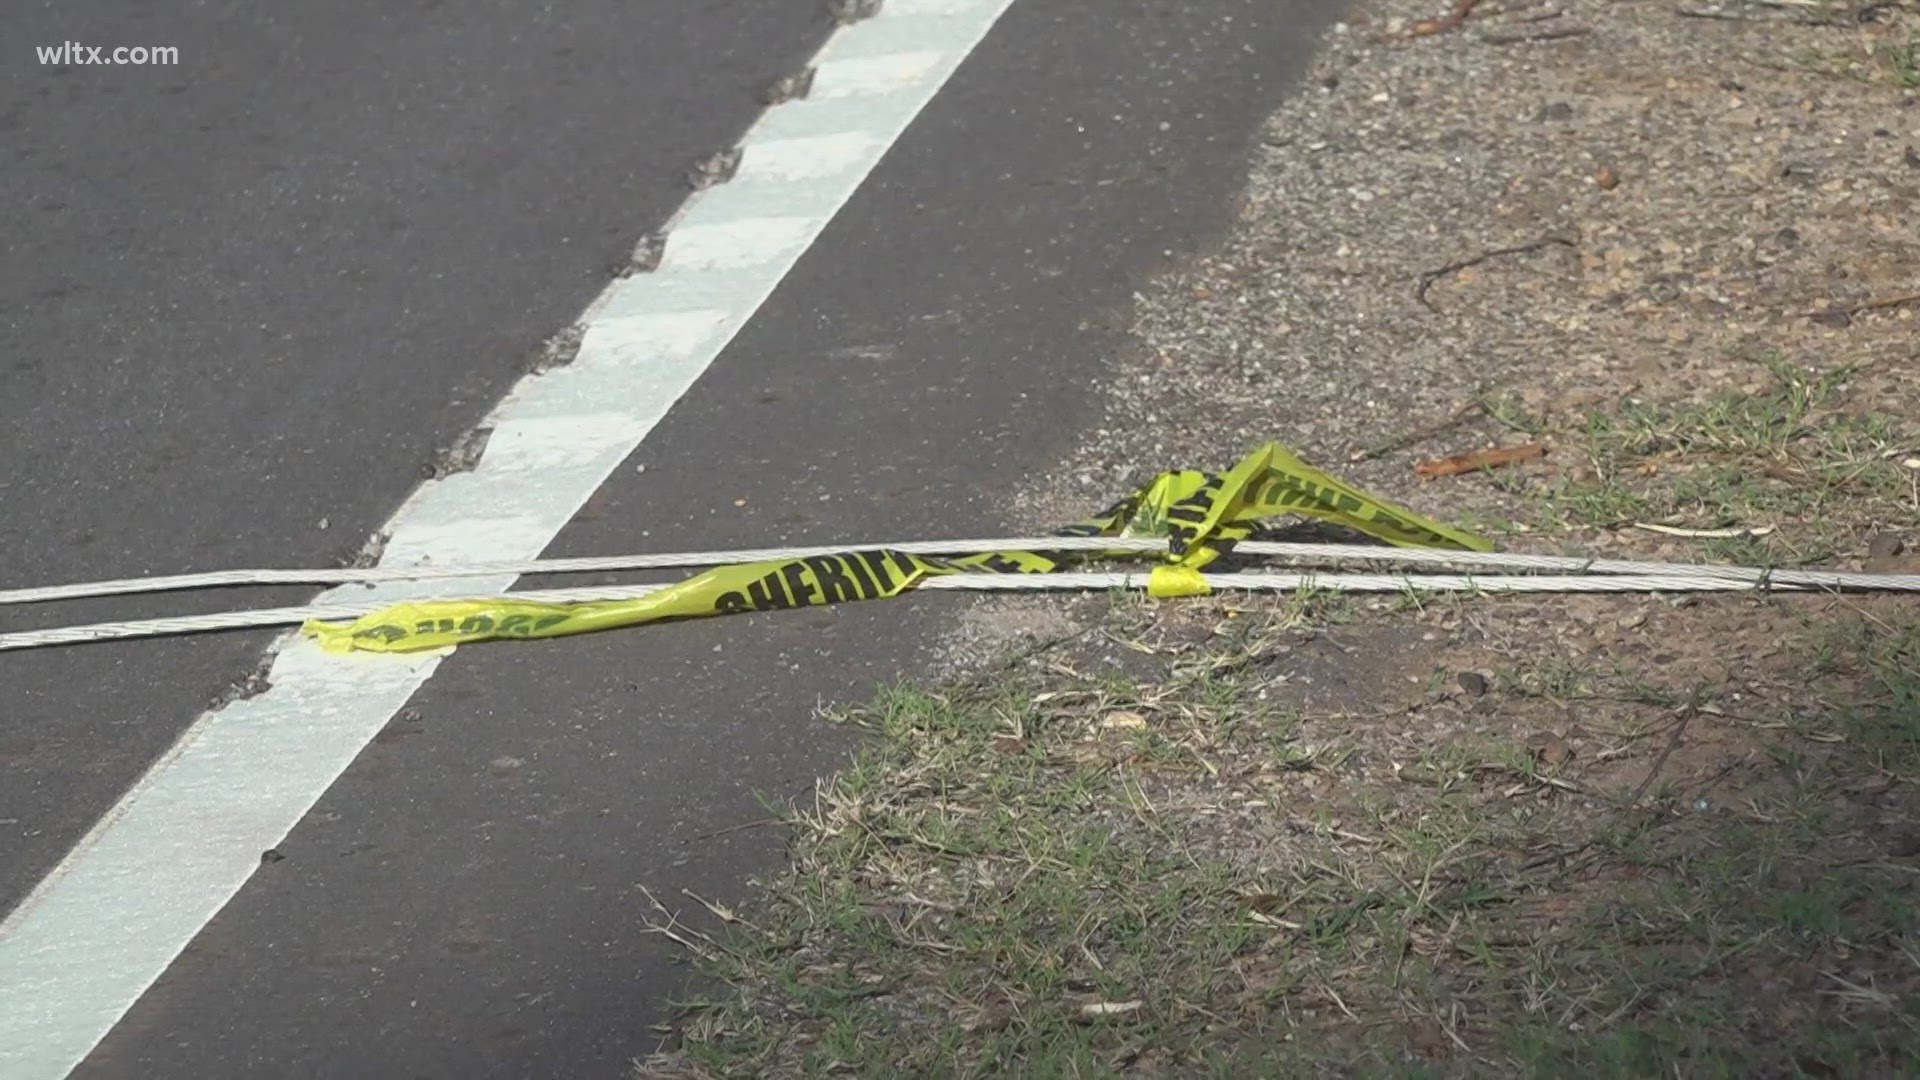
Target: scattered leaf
point(1124, 719)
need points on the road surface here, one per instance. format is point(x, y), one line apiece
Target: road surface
point(250, 297)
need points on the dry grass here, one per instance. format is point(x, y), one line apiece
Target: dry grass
point(1786, 458)
point(1195, 870)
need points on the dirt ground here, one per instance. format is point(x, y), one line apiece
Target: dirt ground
point(1675, 249)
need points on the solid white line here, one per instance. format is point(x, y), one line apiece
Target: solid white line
point(107, 922)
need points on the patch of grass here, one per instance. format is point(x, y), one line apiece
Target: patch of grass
point(1894, 61)
point(1789, 457)
point(984, 890)
point(1017, 877)
point(1880, 660)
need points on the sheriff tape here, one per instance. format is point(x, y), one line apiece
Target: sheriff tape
point(1200, 514)
point(766, 586)
point(1272, 481)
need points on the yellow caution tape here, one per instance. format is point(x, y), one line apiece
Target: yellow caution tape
point(1199, 513)
point(764, 586)
point(1169, 581)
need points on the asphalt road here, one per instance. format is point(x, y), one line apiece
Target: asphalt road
point(259, 290)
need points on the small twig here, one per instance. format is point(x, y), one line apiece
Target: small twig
point(1327, 988)
point(705, 947)
point(1028, 653)
point(1868, 305)
point(1450, 21)
point(1716, 11)
point(1448, 1026)
point(1544, 35)
point(1711, 13)
point(724, 914)
point(1469, 411)
point(1660, 762)
point(1427, 279)
point(1705, 534)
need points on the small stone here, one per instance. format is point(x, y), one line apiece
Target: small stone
point(1885, 546)
point(1474, 683)
point(1558, 110)
point(1838, 319)
point(1883, 556)
point(271, 855)
point(1912, 158)
point(1607, 178)
point(1550, 749)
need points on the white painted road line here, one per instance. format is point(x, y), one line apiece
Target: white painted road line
point(107, 922)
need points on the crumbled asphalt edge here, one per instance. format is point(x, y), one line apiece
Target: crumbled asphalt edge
point(463, 456)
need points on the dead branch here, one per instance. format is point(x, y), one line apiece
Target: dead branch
point(1427, 279)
